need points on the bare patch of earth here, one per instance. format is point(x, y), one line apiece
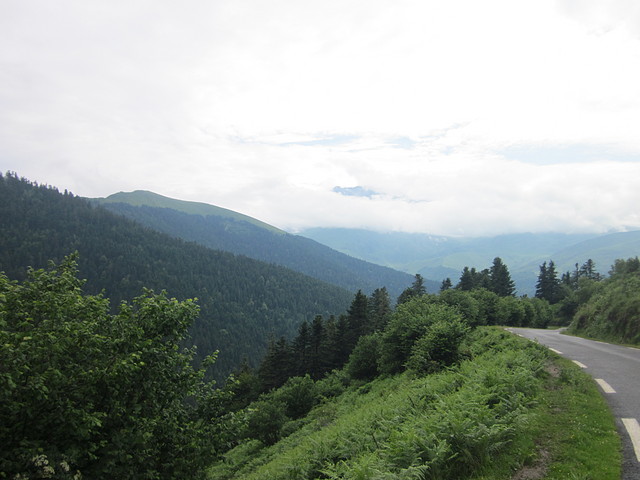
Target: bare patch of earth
point(536, 471)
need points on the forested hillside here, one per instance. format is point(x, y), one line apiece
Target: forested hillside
point(223, 229)
point(609, 309)
point(242, 301)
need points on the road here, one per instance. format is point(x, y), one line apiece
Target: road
point(617, 371)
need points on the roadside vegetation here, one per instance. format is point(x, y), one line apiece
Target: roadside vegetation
point(508, 406)
point(430, 389)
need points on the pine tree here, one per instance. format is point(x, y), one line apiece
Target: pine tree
point(416, 289)
point(500, 279)
point(358, 319)
point(379, 308)
point(446, 284)
point(466, 282)
point(548, 285)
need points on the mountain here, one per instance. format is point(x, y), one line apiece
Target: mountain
point(222, 229)
point(603, 250)
point(242, 300)
point(438, 257)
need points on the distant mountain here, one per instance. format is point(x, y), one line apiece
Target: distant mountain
point(242, 300)
point(603, 250)
point(438, 257)
point(222, 229)
point(149, 199)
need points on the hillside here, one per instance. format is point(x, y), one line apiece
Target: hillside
point(223, 229)
point(242, 300)
point(437, 257)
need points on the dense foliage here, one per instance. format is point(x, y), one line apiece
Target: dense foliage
point(611, 310)
point(448, 424)
point(242, 300)
point(85, 393)
point(241, 237)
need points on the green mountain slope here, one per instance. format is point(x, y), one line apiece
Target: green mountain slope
point(242, 300)
point(222, 229)
point(142, 197)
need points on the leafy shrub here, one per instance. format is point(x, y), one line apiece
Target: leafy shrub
point(266, 419)
point(363, 361)
point(101, 395)
point(298, 394)
point(410, 321)
point(439, 347)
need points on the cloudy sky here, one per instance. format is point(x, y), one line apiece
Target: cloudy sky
point(454, 117)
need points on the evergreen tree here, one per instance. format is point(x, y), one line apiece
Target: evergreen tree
point(446, 284)
point(379, 308)
point(301, 350)
point(467, 280)
point(548, 285)
point(316, 357)
point(276, 366)
point(416, 289)
point(358, 319)
point(500, 279)
point(588, 270)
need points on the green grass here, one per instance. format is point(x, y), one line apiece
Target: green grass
point(512, 405)
point(577, 427)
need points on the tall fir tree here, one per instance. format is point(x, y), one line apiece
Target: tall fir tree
point(379, 308)
point(416, 289)
point(500, 279)
point(358, 319)
point(548, 285)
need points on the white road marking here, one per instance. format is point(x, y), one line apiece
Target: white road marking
point(581, 365)
point(555, 351)
point(633, 429)
point(605, 386)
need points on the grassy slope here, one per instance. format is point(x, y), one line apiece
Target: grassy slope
point(143, 197)
point(513, 406)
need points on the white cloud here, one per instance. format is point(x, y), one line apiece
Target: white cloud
point(266, 107)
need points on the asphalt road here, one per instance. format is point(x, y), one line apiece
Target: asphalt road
point(617, 371)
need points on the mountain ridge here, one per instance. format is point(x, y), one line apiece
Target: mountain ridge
point(235, 234)
point(439, 257)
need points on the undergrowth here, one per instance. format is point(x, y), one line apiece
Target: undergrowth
point(496, 412)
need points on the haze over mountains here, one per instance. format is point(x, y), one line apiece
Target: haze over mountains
point(434, 257)
point(437, 257)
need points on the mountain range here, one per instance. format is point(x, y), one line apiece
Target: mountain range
point(223, 229)
point(439, 257)
point(242, 301)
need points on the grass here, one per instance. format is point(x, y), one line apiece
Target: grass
point(514, 411)
point(577, 428)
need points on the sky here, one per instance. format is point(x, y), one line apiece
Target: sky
point(455, 117)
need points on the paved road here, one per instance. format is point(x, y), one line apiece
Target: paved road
point(617, 371)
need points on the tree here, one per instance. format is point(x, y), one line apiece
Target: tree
point(500, 279)
point(466, 282)
point(358, 319)
point(548, 285)
point(416, 289)
point(276, 366)
point(446, 284)
point(379, 308)
point(86, 392)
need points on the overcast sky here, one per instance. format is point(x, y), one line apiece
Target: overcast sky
point(454, 117)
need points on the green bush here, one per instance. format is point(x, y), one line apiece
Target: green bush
point(409, 322)
point(105, 396)
point(363, 361)
point(266, 419)
point(439, 347)
point(299, 395)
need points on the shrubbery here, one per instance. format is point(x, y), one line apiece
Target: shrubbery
point(86, 393)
